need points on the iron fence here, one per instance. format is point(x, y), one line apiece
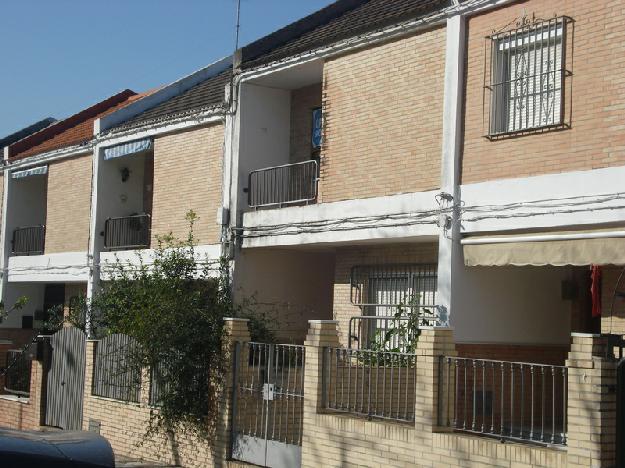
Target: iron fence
point(391, 332)
point(29, 240)
point(128, 232)
point(508, 400)
point(270, 392)
point(115, 374)
point(375, 384)
point(17, 373)
point(283, 185)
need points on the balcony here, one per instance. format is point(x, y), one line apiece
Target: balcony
point(289, 184)
point(29, 240)
point(127, 232)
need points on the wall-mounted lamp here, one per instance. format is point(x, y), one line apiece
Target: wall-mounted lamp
point(125, 172)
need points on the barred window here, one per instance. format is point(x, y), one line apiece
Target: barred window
point(380, 289)
point(527, 73)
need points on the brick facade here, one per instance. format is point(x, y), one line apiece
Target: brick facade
point(188, 176)
point(303, 101)
point(595, 139)
point(68, 205)
point(348, 257)
point(383, 109)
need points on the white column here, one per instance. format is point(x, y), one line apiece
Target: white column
point(95, 243)
point(450, 262)
point(4, 238)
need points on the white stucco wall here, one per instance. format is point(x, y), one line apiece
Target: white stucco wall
point(290, 286)
point(521, 305)
point(34, 293)
point(264, 132)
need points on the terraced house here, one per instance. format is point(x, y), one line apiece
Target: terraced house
point(423, 197)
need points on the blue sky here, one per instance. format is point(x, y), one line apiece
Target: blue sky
point(60, 56)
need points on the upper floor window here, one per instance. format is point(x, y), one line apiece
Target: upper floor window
point(527, 75)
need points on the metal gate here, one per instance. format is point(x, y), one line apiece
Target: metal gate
point(66, 379)
point(268, 404)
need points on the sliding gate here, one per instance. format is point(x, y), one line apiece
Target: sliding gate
point(268, 404)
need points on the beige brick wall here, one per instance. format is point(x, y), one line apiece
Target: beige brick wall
point(26, 414)
point(596, 139)
point(188, 176)
point(68, 205)
point(348, 257)
point(383, 110)
point(303, 101)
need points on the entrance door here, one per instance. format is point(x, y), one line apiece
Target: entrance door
point(268, 405)
point(66, 379)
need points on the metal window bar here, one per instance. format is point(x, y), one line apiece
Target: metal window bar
point(270, 392)
point(527, 74)
point(128, 232)
point(367, 331)
point(29, 240)
point(374, 384)
point(115, 375)
point(288, 184)
point(380, 289)
point(17, 373)
point(508, 400)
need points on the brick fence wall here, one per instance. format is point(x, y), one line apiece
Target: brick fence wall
point(26, 413)
point(124, 424)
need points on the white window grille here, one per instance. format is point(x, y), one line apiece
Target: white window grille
point(527, 77)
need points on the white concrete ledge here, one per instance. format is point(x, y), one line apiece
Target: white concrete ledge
point(57, 267)
point(345, 227)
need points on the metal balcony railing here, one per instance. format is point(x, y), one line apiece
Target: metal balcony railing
point(29, 240)
point(289, 184)
point(128, 232)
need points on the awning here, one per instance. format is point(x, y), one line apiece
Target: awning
point(39, 170)
point(597, 247)
point(126, 149)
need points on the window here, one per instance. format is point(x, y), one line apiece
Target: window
point(380, 289)
point(527, 73)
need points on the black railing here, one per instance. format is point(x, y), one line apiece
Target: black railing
point(128, 232)
point(17, 374)
point(283, 185)
point(29, 240)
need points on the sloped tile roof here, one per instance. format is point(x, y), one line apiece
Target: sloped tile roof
point(209, 93)
point(23, 133)
point(338, 21)
point(75, 130)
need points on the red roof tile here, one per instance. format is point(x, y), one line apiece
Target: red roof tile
point(72, 131)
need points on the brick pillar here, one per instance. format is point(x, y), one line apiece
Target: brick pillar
point(433, 343)
point(321, 334)
point(591, 402)
point(90, 347)
point(236, 331)
point(38, 396)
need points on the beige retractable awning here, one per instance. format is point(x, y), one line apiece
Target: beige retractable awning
point(598, 247)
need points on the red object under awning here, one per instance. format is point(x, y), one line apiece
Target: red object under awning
point(595, 290)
